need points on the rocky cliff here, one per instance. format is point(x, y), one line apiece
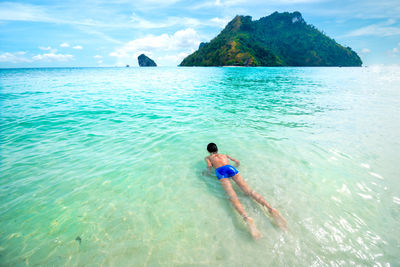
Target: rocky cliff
point(145, 61)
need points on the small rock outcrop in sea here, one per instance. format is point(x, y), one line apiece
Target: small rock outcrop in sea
point(145, 61)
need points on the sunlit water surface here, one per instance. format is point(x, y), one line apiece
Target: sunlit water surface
point(104, 166)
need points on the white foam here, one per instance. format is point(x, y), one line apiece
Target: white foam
point(344, 189)
point(365, 196)
point(336, 199)
point(365, 165)
point(376, 175)
point(339, 154)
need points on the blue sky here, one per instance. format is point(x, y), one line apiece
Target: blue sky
point(113, 33)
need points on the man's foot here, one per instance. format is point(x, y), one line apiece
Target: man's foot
point(253, 229)
point(279, 220)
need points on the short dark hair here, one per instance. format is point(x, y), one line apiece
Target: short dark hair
point(212, 148)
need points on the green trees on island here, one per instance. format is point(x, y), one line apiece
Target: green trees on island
point(281, 39)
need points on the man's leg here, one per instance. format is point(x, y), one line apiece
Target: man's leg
point(248, 191)
point(226, 184)
point(280, 221)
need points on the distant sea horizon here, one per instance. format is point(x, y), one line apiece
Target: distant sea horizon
point(134, 66)
point(230, 66)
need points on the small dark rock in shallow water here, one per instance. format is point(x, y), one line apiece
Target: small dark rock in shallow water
point(78, 239)
point(145, 61)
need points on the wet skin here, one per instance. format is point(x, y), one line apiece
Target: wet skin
point(218, 160)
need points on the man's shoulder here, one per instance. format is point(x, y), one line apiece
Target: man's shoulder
point(220, 156)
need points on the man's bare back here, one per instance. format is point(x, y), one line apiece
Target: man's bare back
point(218, 160)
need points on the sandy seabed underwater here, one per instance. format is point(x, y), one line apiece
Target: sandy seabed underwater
point(104, 166)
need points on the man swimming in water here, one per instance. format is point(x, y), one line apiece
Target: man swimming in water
point(224, 172)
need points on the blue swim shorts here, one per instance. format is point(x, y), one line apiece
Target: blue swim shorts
point(226, 171)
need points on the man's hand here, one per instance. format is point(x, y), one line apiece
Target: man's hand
point(206, 172)
point(237, 163)
point(209, 167)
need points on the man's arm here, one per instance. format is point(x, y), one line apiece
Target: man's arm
point(209, 164)
point(234, 160)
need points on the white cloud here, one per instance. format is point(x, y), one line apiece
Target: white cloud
point(220, 4)
point(99, 17)
point(45, 48)
point(36, 13)
point(48, 48)
point(90, 30)
point(97, 57)
point(64, 45)
point(78, 47)
point(16, 57)
point(372, 9)
point(149, 4)
point(259, 3)
point(381, 29)
point(395, 50)
point(288, 2)
point(187, 38)
point(52, 57)
point(174, 59)
point(101, 14)
point(221, 22)
point(141, 23)
point(345, 9)
point(22, 12)
point(100, 62)
point(183, 40)
point(365, 51)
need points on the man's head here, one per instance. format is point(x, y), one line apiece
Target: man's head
point(212, 148)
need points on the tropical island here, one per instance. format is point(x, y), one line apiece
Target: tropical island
point(280, 39)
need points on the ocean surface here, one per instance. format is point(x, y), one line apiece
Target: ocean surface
point(104, 166)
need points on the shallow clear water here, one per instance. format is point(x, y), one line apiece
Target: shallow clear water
point(115, 157)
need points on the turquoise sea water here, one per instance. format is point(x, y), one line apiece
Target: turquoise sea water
point(104, 166)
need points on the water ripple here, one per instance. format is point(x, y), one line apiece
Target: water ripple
point(115, 157)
